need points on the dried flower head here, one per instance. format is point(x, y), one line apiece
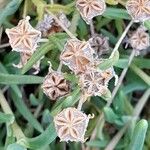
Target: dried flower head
point(45, 25)
point(139, 40)
point(139, 9)
point(48, 25)
point(24, 57)
point(90, 8)
point(77, 55)
point(23, 37)
point(94, 82)
point(100, 45)
point(55, 86)
point(71, 125)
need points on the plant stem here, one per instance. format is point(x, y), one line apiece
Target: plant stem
point(136, 113)
point(121, 38)
point(4, 45)
point(92, 28)
point(43, 40)
point(121, 78)
point(83, 98)
point(51, 2)
point(60, 66)
point(1, 31)
point(122, 3)
point(25, 9)
point(61, 24)
point(141, 74)
point(6, 108)
point(4, 104)
point(74, 22)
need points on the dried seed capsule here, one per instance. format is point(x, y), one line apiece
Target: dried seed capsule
point(24, 57)
point(77, 55)
point(139, 40)
point(139, 9)
point(23, 37)
point(100, 45)
point(94, 82)
point(90, 8)
point(45, 25)
point(71, 125)
point(48, 25)
point(55, 86)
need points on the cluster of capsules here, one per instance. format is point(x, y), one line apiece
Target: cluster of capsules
point(82, 58)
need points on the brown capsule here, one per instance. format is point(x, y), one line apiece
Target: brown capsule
point(139, 9)
point(55, 86)
point(77, 55)
point(49, 26)
point(140, 39)
point(90, 8)
point(100, 45)
point(94, 82)
point(71, 125)
point(23, 37)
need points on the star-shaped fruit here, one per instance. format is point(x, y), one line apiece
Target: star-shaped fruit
point(139, 9)
point(55, 86)
point(90, 8)
point(23, 37)
point(71, 125)
point(77, 55)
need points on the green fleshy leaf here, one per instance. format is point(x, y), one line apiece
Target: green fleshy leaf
point(42, 140)
point(9, 9)
point(37, 56)
point(15, 146)
point(40, 5)
point(9, 79)
point(138, 137)
point(55, 8)
point(20, 105)
point(109, 62)
point(112, 2)
point(25, 112)
point(110, 116)
point(6, 118)
point(116, 13)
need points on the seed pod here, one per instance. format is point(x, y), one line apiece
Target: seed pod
point(139, 40)
point(90, 8)
point(45, 25)
point(23, 37)
point(55, 86)
point(77, 55)
point(139, 10)
point(24, 57)
point(48, 25)
point(100, 45)
point(94, 82)
point(71, 125)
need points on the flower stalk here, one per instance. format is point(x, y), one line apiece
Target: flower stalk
point(121, 38)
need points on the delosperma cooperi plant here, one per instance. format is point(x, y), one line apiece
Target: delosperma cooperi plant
point(90, 61)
